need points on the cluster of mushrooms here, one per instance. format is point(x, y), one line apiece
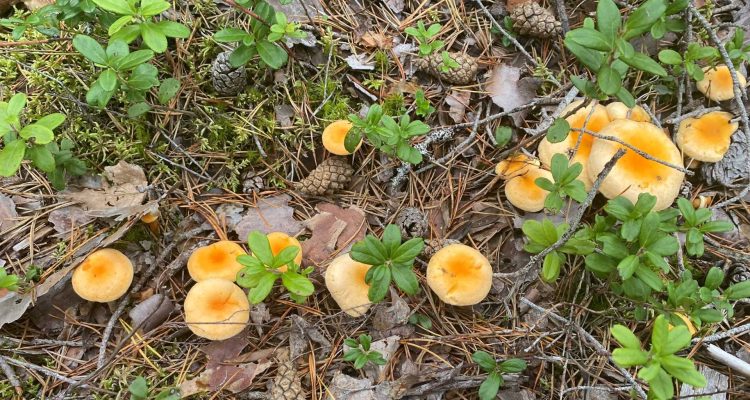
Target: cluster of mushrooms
point(702, 139)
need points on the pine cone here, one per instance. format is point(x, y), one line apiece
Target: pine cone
point(432, 246)
point(286, 384)
point(464, 74)
point(739, 273)
point(227, 80)
point(332, 174)
point(531, 19)
point(413, 222)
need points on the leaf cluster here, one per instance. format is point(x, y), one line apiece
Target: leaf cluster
point(266, 31)
point(136, 19)
point(139, 390)
point(696, 224)
point(564, 183)
point(130, 73)
point(660, 364)
point(426, 37)
point(542, 235)
point(448, 64)
point(495, 370)
point(690, 63)
point(35, 141)
point(360, 354)
point(606, 50)
point(736, 48)
point(262, 271)
point(390, 260)
point(422, 106)
point(9, 282)
point(387, 134)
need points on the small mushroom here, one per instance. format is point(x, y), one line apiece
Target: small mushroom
point(345, 279)
point(216, 309)
point(334, 136)
point(634, 174)
point(706, 138)
point(717, 83)
point(521, 189)
point(217, 260)
point(619, 110)
point(460, 275)
point(598, 120)
point(104, 276)
point(280, 241)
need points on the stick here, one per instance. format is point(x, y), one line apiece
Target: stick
point(573, 226)
point(736, 331)
point(732, 362)
point(12, 378)
point(563, 16)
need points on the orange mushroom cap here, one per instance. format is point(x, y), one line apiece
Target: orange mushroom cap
point(345, 280)
point(104, 276)
point(515, 165)
point(150, 217)
point(599, 119)
point(460, 275)
point(634, 174)
point(523, 192)
point(334, 136)
point(717, 83)
point(217, 260)
point(706, 138)
point(216, 309)
point(619, 110)
point(280, 241)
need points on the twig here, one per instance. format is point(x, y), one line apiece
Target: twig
point(635, 149)
point(732, 362)
point(51, 373)
point(12, 378)
point(695, 113)
point(563, 16)
point(736, 331)
point(573, 226)
point(589, 338)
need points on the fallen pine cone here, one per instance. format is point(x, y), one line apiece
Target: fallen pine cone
point(332, 174)
point(433, 245)
point(227, 80)
point(531, 19)
point(286, 384)
point(464, 74)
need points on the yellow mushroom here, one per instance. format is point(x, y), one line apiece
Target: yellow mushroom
point(345, 280)
point(634, 174)
point(706, 138)
point(216, 309)
point(521, 190)
point(717, 83)
point(334, 136)
point(619, 110)
point(460, 275)
point(217, 260)
point(104, 276)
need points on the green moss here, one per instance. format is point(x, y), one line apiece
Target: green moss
point(382, 61)
point(394, 104)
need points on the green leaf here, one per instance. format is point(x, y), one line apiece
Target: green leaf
point(173, 29)
point(738, 291)
point(153, 7)
point(608, 19)
point(365, 341)
point(640, 21)
point(405, 279)
point(40, 133)
point(117, 25)
point(677, 339)
point(352, 354)
point(138, 388)
point(670, 57)
point(661, 386)
point(683, 370)
point(379, 283)
point(717, 226)
point(133, 59)
point(608, 79)
point(230, 35)
point(408, 251)
point(352, 140)
point(625, 48)
point(629, 357)
point(265, 284)
point(51, 121)
point(108, 79)
point(115, 6)
point(90, 49)
point(592, 59)
point(624, 96)
point(558, 131)
point(600, 264)
point(714, 278)
point(660, 334)
point(391, 239)
point(489, 388)
point(649, 277)
point(297, 283)
point(127, 33)
point(589, 38)
point(664, 246)
point(241, 55)
point(260, 247)
point(138, 109)
point(271, 54)
point(503, 135)
point(551, 266)
point(627, 266)
point(645, 63)
point(484, 360)
point(168, 89)
point(512, 365)
point(42, 158)
point(153, 37)
point(625, 337)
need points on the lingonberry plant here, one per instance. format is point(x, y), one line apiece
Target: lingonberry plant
point(564, 183)
point(495, 370)
point(360, 354)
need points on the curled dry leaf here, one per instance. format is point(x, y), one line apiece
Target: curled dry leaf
point(270, 214)
point(68, 218)
point(8, 213)
point(457, 102)
point(376, 40)
point(151, 312)
point(509, 91)
point(334, 230)
point(224, 377)
point(360, 62)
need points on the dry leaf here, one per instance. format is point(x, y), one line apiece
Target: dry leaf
point(509, 91)
point(66, 218)
point(376, 40)
point(151, 312)
point(8, 213)
point(37, 4)
point(359, 62)
point(271, 214)
point(224, 377)
point(395, 5)
point(457, 100)
point(334, 230)
point(284, 115)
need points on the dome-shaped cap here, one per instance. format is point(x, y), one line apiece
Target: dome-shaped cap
point(104, 276)
point(216, 309)
point(717, 83)
point(706, 138)
point(523, 192)
point(345, 280)
point(217, 260)
point(460, 275)
point(334, 136)
point(619, 110)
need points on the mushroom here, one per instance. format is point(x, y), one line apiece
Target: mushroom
point(280, 241)
point(707, 137)
point(717, 83)
point(217, 260)
point(334, 136)
point(634, 174)
point(104, 276)
point(216, 309)
point(345, 279)
point(619, 110)
point(521, 190)
point(460, 275)
point(599, 118)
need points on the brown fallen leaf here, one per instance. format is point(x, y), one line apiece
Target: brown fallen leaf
point(224, 377)
point(271, 214)
point(376, 40)
point(151, 312)
point(334, 230)
point(65, 219)
point(8, 213)
point(457, 102)
point(509, 91)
